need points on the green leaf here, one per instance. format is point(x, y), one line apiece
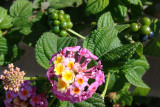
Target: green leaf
point(3, 46)
point(116, 82)
point(120, 28)
point(57, 4)
point(135, 2)
point(21, 8)
point(95, 101)
point(139, 91)
point(2, 58)
point(102, 41)
point(3, 14)
point(21, 22)
point(140, 66)
point(119, 56)
point(96, 6)
point(50, 44)
point(5, 20)
point(134, 78)
point(118, 10)
point(124, 96)
point(105, 21)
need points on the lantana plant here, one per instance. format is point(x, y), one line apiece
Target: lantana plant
point(92, 52)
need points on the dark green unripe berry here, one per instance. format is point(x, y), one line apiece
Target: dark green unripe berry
point(61, 18)
point(69, 25)
point(134, 27)
point(63, 33)
point(67, 17)
point(145, 30)
point(56, 22)
point(146, 21)
point(56, 29)
point(61, 12)
point(63, 25)
point(54, 16)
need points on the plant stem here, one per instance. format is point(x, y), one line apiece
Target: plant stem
point(75, 33)
point(34, 78)
point(106, 86)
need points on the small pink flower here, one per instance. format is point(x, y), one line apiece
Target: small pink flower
point(72, 49)
point(100, 78)
point(25, 92)
point(35, 100)
point(92, 88)
point(81, 81)
point(9, 96)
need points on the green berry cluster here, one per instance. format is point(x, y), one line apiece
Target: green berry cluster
point(144, 29)
point(60, 22)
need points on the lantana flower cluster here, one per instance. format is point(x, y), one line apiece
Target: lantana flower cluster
point(12, 79)
point(26, 96)
point(19, 93)
point(70, 78)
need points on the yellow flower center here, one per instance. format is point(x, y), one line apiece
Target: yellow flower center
point(58, 59)
point(80, 81)
point(59, 68)
point(68, 76)
point(76, 90)
point(62, 85)
point(70, 65)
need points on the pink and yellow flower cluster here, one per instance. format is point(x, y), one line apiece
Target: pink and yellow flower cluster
point(70, 78)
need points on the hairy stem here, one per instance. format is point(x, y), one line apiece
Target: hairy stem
point(34, 78)
point(106, 86)
point(75, 33)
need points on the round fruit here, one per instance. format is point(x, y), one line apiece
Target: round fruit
point(67, 17)
point(61, 12)
point(145, 30)
point(56, 29)
point(56, 22)
point(63, 33)
point(134, 27)
point(69, 25)
point(63, 25)
point(61, 18)
point(143, 38)
point(146, 21)
point(54, 15)
point(151, 35)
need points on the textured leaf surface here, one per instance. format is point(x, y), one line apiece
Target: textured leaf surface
point(96, 6)
point(5, 20)
point(124, 95)
point(3, 46)
point(105, 21)
point(95, 101)
point(120, 55)
point(120, 28)
point(21, 8)
point(139, 91)
point(57, 4)
point(134, 78)
point(50, 44)
point(102, 40)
